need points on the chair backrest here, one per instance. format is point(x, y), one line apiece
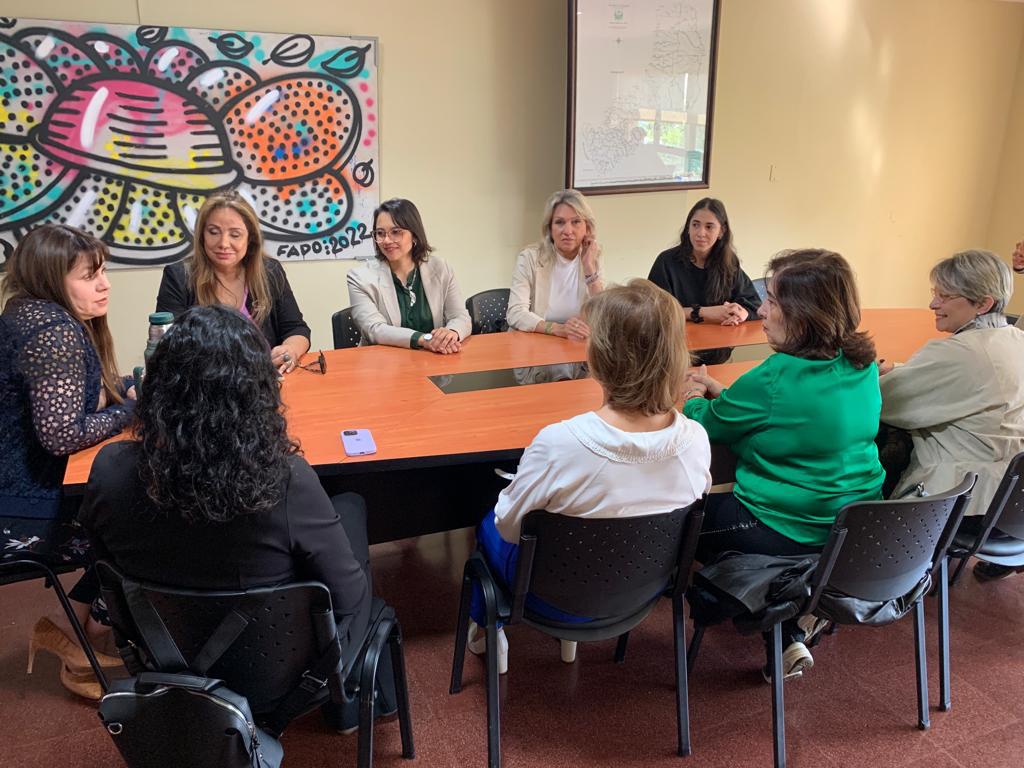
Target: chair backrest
point(291, 626)
point(19, 565)
point(605, 567)
point(487, 310)
point(346, 332)
point(760, 287)
point(880, 550)
point(1006, 510)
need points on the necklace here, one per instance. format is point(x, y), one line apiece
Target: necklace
point(411, 285)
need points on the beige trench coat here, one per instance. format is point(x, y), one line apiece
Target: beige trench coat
point(962, 399)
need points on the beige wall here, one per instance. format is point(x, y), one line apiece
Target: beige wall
point(1007, 223)
point(883, 120)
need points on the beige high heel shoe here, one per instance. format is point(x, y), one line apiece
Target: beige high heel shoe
point(85, 685)
point(49, 637)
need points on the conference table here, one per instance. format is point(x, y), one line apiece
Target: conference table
point(437, 450)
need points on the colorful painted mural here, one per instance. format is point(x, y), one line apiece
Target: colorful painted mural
point(125, 130)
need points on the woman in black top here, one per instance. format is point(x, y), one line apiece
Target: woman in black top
point(212, 493)
point(228, 266)
point(703, 272)
point(59, 393)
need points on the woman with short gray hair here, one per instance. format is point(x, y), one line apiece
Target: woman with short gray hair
point(962, 397)
point(976, 276)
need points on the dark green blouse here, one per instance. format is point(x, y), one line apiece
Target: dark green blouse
point(415, 314)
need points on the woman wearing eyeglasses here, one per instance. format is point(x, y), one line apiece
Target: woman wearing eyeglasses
point(229, 267)
point(962, 397)
point(408, 298)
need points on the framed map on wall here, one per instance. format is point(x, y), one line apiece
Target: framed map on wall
point(641, 93)
point(125, 130)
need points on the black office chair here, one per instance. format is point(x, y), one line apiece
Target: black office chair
point(614, 569)
point(282, 632)
point(24, 566)
point(346, 332)
point(880, 551)
point(1000, 535)
point(760, 287)
point(487, 310)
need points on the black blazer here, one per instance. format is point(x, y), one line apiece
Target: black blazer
point(285, 319)
point(301, 538)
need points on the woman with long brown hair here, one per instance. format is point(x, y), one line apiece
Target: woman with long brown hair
point(59, 393)
point(703, 271)
point(802, 424)
point(228, 266)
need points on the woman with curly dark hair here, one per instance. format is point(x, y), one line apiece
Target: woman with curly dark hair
point(213, 494)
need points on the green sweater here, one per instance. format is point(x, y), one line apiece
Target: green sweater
point(803, 433)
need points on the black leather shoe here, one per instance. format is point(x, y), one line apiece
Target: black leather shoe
point(991, 571)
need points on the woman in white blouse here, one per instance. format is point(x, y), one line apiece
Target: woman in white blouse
point(555, 275)
point(635, 455)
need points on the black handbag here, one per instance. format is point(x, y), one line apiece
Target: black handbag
point(158, 720)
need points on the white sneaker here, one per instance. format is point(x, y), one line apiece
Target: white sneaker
point(568, 651)
point(812, 626)
point(796, 659)
point(477, 641)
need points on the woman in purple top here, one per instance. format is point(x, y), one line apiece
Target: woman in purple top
point(228, 266)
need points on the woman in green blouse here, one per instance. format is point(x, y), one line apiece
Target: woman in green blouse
point(802, 424)
point(407, 298)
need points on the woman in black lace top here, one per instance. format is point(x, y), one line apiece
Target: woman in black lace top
point(59, 389)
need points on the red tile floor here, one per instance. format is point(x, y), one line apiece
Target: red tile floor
point(855, 708)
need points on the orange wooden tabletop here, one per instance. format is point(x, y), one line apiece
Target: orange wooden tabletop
point(386, 390)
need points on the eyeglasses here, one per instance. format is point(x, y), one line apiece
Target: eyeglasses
point(380, 235)
point(318, 366)
point(944, 297)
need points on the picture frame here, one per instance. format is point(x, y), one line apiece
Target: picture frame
point(640, 96)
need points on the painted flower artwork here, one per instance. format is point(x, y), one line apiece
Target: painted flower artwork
point(123, 131)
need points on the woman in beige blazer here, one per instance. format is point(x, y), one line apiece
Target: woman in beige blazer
point(962, 397)
point(407, 298)
point(555, 275)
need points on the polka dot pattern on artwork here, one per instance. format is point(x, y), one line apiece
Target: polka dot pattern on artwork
point(318, 205)
point(26, 91)
point(291, 129)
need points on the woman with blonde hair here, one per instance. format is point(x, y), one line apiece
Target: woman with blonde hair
point(635, 455)
point(229, 266)
point(554, 276)
point(59, 393)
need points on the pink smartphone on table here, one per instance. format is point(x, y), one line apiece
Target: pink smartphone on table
point(358, 442)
